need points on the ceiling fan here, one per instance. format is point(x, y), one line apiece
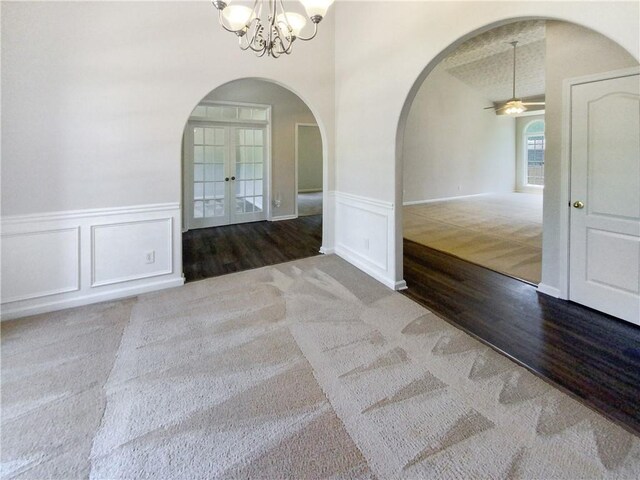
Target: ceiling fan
point(514, 106)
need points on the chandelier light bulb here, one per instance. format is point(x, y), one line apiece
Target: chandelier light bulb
point(292, 20)
point(237, 16)
point(316, 8)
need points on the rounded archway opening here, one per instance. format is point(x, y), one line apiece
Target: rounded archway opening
point(253, 162)
point(564, 56)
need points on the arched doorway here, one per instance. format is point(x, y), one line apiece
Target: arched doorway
point(240, 178)
point(566, 61)
point(459, 153)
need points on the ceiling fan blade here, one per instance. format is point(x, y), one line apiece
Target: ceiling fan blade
point(533, 103)
point(487, 108)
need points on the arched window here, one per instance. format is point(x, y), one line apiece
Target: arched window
point(534, 153)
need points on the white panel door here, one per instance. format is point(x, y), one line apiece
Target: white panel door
point(605, 196)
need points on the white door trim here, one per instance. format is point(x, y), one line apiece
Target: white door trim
point(565, 167)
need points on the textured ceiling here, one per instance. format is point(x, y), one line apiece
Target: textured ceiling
point(485, 62)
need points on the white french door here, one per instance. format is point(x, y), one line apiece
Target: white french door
point(605, 196)
point(225, 174)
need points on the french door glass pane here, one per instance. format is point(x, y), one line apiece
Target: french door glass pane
point(198, 190)
point(208, 171)
point(198, 209)
point(249, 170)
point(198, 173)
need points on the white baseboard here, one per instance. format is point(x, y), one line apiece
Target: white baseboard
point(59, 260)
point(443, 199)
point(536, 190)
point(361, 263)
point(283, 217)
point(548, 290)
point(310, 190)
point(327, 250)
point(51, 306)
point(401, 285)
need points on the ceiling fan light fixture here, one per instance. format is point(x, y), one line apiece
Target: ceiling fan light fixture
point(514, 107)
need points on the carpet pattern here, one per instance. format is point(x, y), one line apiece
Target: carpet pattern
point(308, 369)
point(502, 232)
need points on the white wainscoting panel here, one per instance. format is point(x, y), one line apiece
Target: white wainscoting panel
point(129, 244)
point(38, 264)
point(364, 235)
point(64, 259)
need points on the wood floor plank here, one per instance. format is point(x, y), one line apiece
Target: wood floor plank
point(591, 355)
point(209, 252)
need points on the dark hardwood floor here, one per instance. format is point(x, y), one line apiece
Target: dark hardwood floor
point(593, 356)
point(209, 252)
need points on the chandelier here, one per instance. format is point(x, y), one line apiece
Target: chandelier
point(275, 36)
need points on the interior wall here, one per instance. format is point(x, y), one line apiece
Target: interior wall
point(96, 95)
point(572, 51)
point(521, 171)
point(377, 74)
point(309, 159)
point(452, 145)
point(287, 110)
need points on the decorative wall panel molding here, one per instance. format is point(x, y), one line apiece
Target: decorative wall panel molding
point(40, 263)
point(65, 259)
point(364, 235)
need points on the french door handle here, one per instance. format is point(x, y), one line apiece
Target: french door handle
point(233, 178)
point(226, 179)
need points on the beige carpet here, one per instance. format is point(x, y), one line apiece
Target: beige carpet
point(309, 204)
point(502, 232)
point(309, 369)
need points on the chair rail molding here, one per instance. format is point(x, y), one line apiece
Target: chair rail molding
point(58, 260)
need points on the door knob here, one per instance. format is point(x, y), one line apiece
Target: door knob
point(226, 179)
point(578, 204)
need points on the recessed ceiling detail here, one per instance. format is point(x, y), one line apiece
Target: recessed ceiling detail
point(485, 62)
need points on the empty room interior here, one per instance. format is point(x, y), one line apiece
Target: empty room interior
point(473, 175)
point(317, 239)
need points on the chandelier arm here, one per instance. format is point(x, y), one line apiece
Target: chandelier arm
point(278, 46)
point(285, 51)
point(256, 37)
point(243, 47)
point(250, 43)
point(315, 32)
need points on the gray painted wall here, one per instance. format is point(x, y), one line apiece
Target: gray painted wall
point(309, 159)
point(96, 96)
point(452, 146)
